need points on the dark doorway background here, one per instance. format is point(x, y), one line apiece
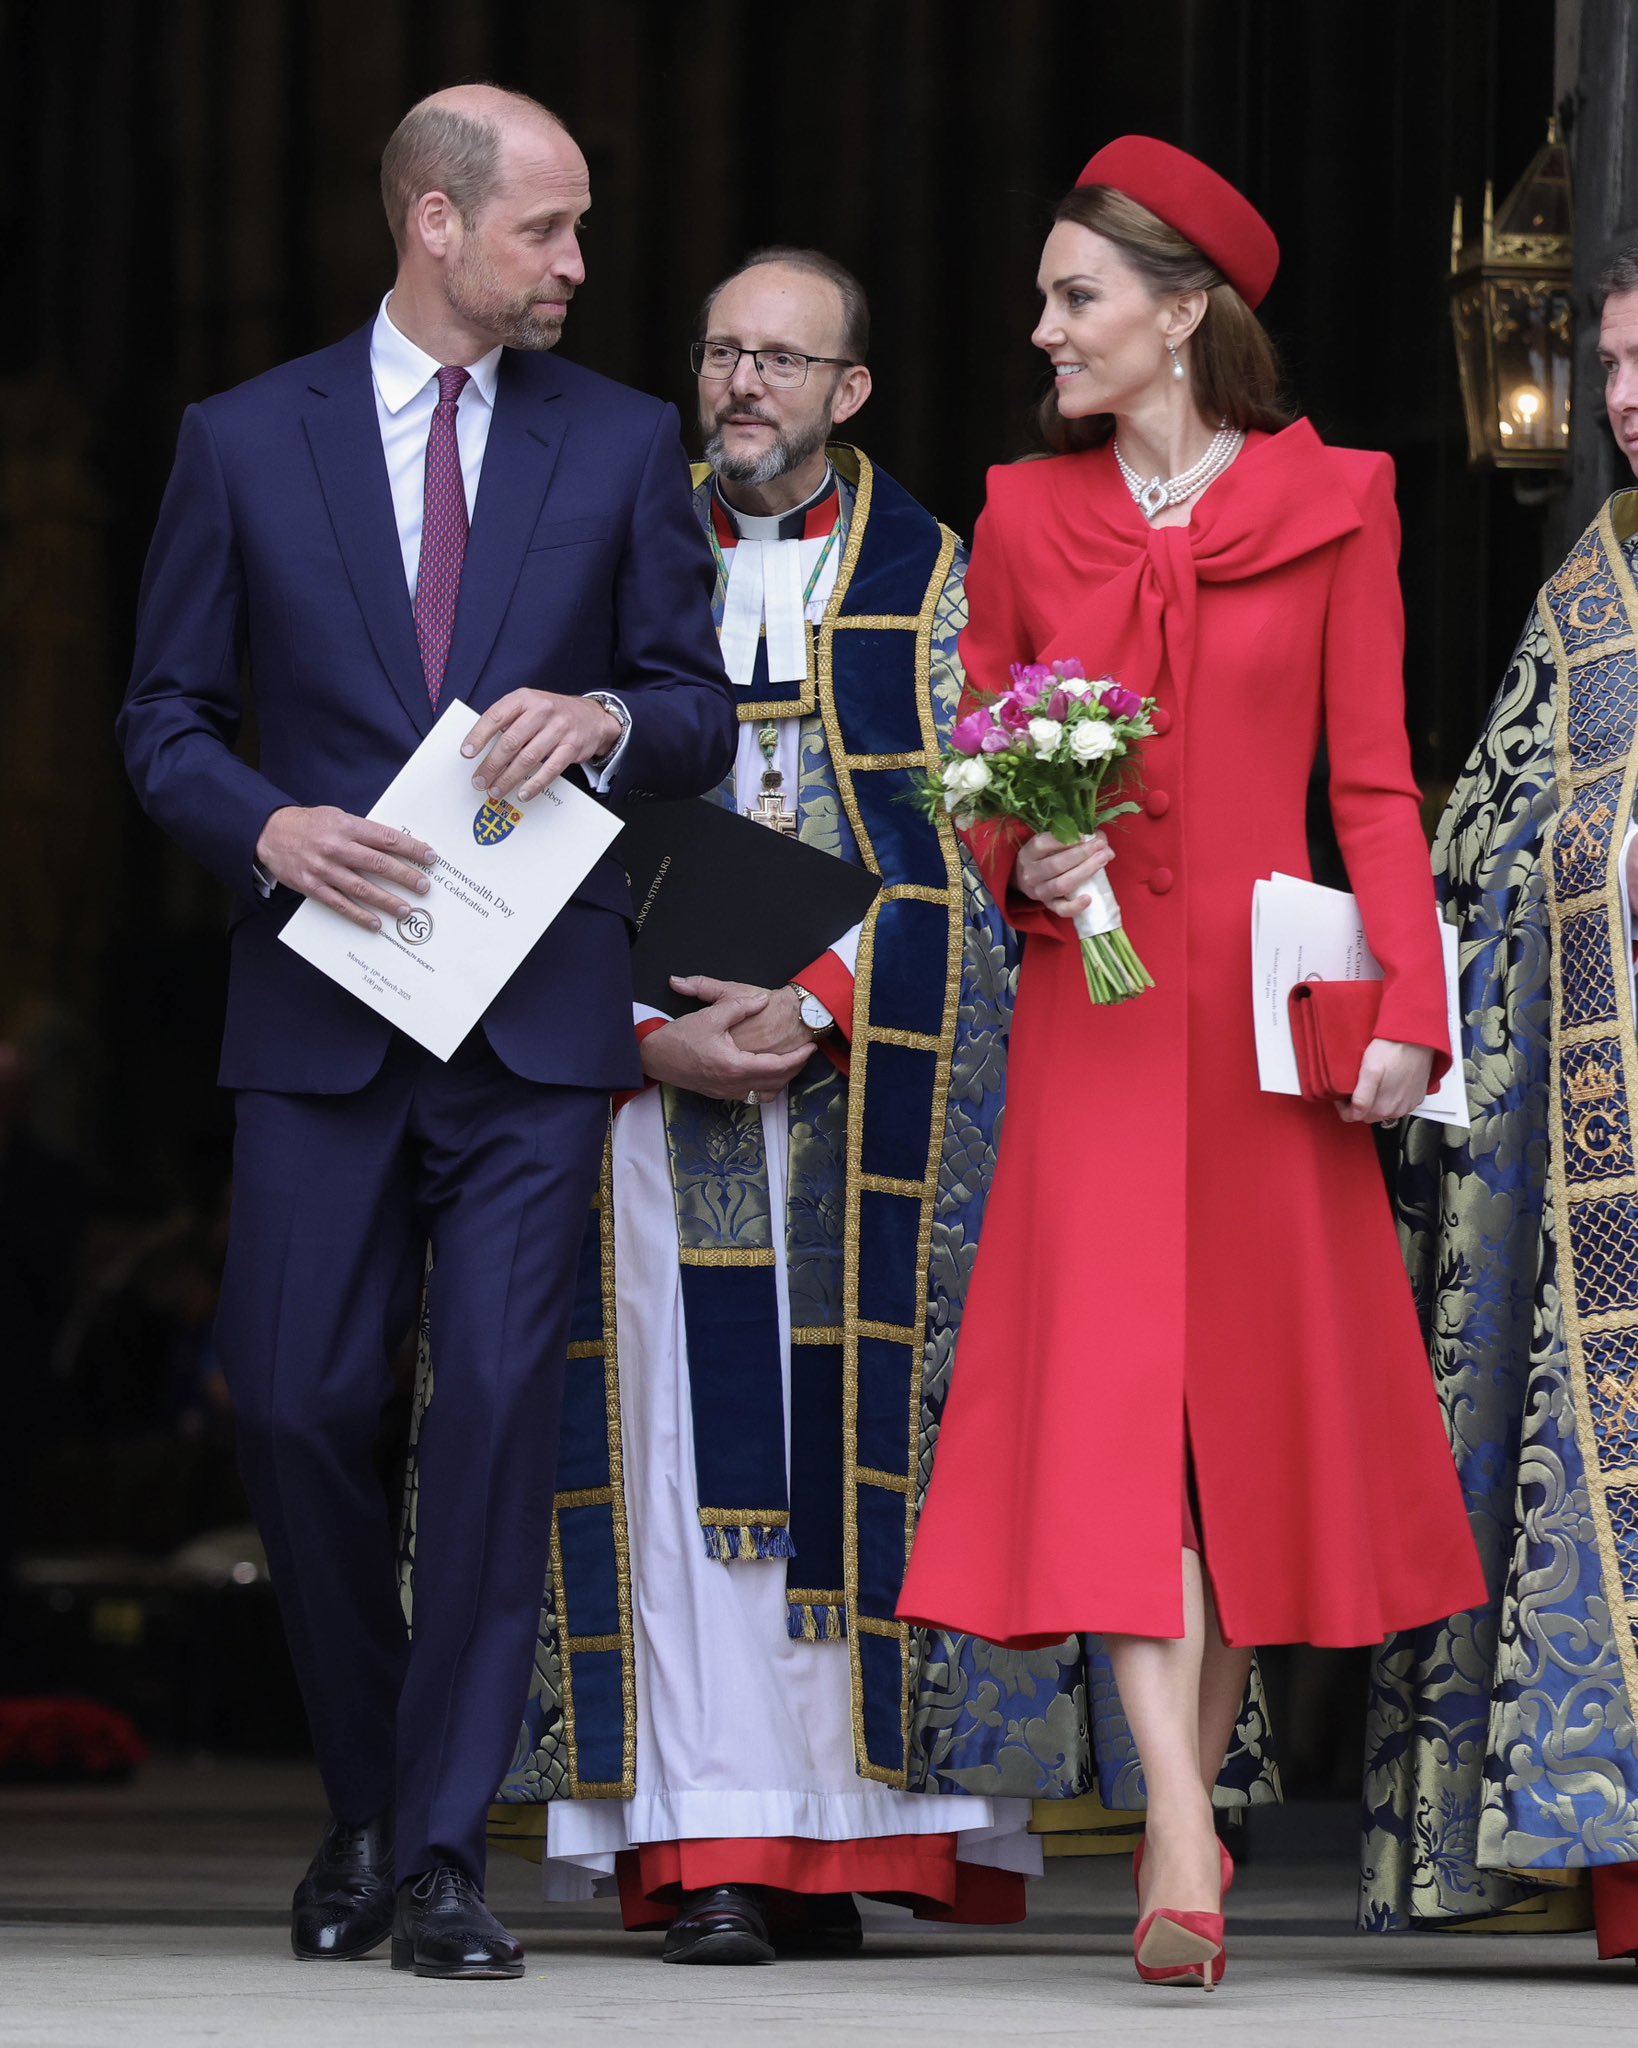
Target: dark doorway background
point(189, 196)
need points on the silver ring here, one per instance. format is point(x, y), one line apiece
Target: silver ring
point(753, 1096)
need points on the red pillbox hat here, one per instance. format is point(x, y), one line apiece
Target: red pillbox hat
point(1204, 208)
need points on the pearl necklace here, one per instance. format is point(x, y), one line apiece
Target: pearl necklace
point(1154, 496)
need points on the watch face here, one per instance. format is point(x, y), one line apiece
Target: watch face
point(814, 1014)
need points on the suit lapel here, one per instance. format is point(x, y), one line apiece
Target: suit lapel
point(345, 437)
point(524, 439)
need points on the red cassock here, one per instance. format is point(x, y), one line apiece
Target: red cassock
point(1163, 1240)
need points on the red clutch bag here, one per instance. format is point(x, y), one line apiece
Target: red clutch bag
point(1332, 1022)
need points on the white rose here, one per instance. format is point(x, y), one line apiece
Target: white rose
point(1091, 740)
point(1100, 685)
point(1076, 689)
point(1044, 735)
point(966, 777)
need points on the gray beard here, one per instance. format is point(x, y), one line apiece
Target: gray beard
point(472, 292)
point(785, 454)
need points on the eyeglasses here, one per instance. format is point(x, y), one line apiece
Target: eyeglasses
point(781, 369)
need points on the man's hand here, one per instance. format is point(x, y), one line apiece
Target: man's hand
point(776, 1028)
point(532, 736)
point(344, 861)
point(1393, 1078)
point(699, 1052)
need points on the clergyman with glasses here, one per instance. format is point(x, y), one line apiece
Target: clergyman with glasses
point(796, 1197)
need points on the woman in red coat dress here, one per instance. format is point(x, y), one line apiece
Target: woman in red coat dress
point(1191, 1408)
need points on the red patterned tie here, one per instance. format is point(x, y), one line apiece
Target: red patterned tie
point(443, 535)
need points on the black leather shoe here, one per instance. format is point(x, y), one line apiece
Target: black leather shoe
point(343, 1906)
point(823, 1924)
point(723, 1925)
point(442, 1928)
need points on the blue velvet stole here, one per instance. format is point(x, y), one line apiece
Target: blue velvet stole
point(590, 1585)
point(906, 1022)
point(750, 1506)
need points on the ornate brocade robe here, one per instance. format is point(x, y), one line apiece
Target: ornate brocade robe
point(1502, 1756)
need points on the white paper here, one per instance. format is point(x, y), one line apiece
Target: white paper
point(1626, 900)
point(504, 872)
point(1301, 931)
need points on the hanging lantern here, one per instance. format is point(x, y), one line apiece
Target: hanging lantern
point(1510, 304)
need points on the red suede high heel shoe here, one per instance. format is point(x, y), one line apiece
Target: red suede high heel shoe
point(1173, 1947)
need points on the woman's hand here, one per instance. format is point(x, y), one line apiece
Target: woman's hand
point(1393, 1078)
point(1058, 876)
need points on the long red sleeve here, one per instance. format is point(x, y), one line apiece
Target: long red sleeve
point(1375, 804)
point(995, 636)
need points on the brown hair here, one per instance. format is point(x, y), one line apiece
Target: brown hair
point(1619, 274)
point(855, 306)
point(439, 149)
point(1233, 366)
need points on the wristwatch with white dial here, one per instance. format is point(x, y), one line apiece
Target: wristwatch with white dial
point(813, 1012)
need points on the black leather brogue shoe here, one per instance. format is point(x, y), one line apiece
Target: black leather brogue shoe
point(442, 1928)
point(343, 1906)
point(722, 1925)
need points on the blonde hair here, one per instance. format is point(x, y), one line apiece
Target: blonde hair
point(1234, 370)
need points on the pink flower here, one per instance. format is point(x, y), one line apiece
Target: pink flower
point(1015, 710)
point(1120, 702)
point(1033, 676)
point(995, 741)
point(970, 732)
point(1059, 706)
point(1069, 671)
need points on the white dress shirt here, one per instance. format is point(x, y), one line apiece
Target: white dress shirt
point(406, 395)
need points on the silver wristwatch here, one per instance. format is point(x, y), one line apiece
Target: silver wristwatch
point(813, 1012)
point(616, 708)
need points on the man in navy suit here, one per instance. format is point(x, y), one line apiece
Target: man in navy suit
point(433, 508)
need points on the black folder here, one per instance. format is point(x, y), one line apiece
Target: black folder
point(716, 893)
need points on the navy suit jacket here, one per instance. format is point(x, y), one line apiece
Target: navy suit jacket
point(585, 569)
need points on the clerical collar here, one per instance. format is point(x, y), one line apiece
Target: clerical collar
point(811, 520)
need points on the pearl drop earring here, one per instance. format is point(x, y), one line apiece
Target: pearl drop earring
point(1177, 367)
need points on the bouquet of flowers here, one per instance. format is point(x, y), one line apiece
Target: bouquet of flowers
point(1056, 751)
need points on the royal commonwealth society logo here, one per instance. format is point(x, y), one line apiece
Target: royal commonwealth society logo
point(495, 821)
point(414, 925)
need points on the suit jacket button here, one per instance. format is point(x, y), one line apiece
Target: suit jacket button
point(1161, 880)
point(1157, 803)
point(1161, 719)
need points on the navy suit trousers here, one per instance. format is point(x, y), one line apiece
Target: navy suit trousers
point(335, 1198)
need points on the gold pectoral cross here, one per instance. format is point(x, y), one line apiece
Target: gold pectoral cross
point(771, 807)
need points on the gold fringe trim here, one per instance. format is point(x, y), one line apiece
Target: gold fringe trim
point(715, 1255)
